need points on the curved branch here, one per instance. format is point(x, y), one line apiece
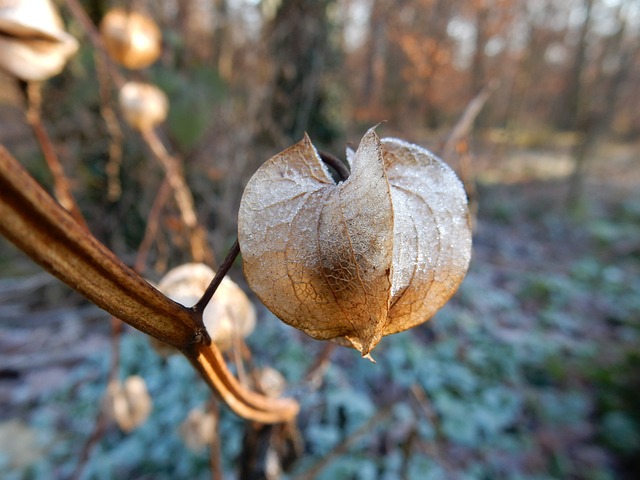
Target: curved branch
point(41, 228)
point(335, 163)
point(48, 234)
point(208, 360)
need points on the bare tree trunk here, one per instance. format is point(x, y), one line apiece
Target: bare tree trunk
point(478, 66)
point(374, 77)
point(603, 99)
point(568, 117)
point(299, 44)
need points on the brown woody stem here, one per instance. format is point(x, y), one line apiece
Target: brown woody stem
point(41, 228)
point(208, 360)
point(49, 235)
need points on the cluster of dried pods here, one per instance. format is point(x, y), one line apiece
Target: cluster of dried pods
point(134, 41)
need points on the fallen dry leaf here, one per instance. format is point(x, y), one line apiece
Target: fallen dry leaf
point(376, 254)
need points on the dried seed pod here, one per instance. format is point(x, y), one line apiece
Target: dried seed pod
point(143, 105)
point(128, 403)
point(198, 429)
point(131, 39)
point(271, 382)
point(33, 43)
point(376, 254)
point(228, 315)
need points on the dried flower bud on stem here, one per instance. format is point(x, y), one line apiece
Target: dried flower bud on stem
point(131, 39)
point(33, 43)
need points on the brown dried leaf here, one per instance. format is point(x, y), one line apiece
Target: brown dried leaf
point(373, 255)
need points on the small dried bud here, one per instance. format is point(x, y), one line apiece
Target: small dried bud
point(271, 382)
point(198, 430)
point(33, 43)
point(374, 255)
point(143, 105)
point(228, 315)
point(131, 39)
point(128, 403)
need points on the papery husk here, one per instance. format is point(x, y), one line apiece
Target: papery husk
point(198, 429)
point(33, 43)
point(128, 403)
point(227, 316)
point(143, 105)
point(351, 262)
point(271, 382)
point(131, 38)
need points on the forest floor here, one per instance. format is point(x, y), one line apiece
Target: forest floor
point(529, 373)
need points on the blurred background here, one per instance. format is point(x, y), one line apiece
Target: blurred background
point(531, 371)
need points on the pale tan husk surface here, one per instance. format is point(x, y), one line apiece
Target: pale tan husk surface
point(376, 254)
point(33, 43)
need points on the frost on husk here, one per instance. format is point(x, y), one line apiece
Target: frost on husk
point(376, 254)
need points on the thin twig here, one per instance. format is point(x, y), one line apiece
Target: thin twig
point(456, 141)
point(101, 417)
point(465, 122)
point(116, 334)
point(217, 279)
point(200, 251)
point(98, 430)
point(319, 367)
point(60, 182)
point(334, 162)
point(95, 38)
point(424, 403)
point(215, 454)
point(153, 222)
point(343, 447)
point(114, 187)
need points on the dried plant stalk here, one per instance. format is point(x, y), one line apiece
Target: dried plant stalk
point(61, 185)
point(200, 251)
point(46, 232)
